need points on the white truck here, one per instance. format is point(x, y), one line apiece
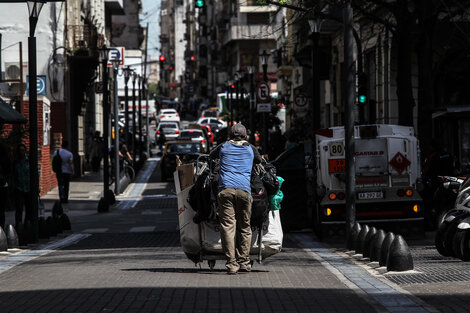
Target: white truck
point(387, 166)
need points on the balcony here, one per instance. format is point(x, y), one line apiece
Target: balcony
point(84, 36)
point(254, 6)
point(115, 7)
point(249, 32)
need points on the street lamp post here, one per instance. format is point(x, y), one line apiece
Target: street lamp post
point(229, 97)
point(314, 28)
point(237, 99)
point(141, 87)
point(251, 71)
point(127, 74)
point(104, 64)
point(34, 9)
point(134, 124)
point(264, 62)
point(116, 129)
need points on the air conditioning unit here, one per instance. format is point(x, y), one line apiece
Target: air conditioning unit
point(12, 71)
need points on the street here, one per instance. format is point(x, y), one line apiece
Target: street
point(130, 260)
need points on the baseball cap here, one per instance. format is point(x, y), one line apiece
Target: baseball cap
point(238, 131)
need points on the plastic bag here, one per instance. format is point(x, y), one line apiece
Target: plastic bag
point(269, 179)
point(275, 200)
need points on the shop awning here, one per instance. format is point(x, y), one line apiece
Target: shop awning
point(8, 115)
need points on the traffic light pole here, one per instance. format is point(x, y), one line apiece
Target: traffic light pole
point(349, 125)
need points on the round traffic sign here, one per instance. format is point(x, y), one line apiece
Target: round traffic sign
point(301, 100)
point(262, 92)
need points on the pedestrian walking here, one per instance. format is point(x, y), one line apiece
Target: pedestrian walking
point(96, 152)
point(67, 170)
point(22, 192)
point(234, 199)
point(161, 140)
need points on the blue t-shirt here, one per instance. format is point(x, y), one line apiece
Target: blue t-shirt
point(236, 162)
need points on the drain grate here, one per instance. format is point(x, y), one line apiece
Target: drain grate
point(431, 267)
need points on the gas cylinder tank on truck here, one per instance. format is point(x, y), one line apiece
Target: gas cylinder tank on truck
point(386, 165)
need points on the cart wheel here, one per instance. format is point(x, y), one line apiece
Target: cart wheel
point(211, 264)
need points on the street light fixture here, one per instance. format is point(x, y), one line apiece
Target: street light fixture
point(104, 202)
point(251, 71)
point(315, 35)
point(116, 128)
point(264, 62)
point(127, 74)
point(134, 151)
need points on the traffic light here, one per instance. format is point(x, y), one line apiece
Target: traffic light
point(192, 58)
point(200, 3)
point(362, 90)
point(171, 67)
point(162, 61)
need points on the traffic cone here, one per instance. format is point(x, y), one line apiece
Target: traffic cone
point(360, 239)
point(399, 256)
point(43, 233)
point(3, 240)
point(368, 241)
point(12, 237)
point(376, 245)
point(354, 233)
point(65, 222)
point(385, 247)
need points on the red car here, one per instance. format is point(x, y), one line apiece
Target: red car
point(210, 134)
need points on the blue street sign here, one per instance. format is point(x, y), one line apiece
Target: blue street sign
point(40, 83)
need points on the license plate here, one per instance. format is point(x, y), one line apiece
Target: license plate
point(370, 195)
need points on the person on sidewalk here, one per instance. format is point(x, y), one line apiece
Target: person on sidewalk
point(22, 193)
point(96, 152)
point(234, 199)
point(63, 177)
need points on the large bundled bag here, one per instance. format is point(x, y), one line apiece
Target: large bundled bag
point(190, 237)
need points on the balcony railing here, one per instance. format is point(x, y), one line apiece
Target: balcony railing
point(249, 32)
point(84, 36)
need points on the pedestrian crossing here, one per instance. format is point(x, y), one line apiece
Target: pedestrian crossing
point(138, 229)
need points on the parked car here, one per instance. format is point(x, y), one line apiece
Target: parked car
point(196, 135)
point(213, 122)
point(184, 149)
point(209, 113)
point(168, 115)
point(171, 130)
point(210, 134)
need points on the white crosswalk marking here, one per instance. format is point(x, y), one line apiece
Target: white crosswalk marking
point(95, 230)
point(142, 229)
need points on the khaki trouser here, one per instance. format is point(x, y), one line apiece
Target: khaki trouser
point(234, 217)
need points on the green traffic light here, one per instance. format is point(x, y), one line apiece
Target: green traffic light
point(199, 3)
point(362, 99)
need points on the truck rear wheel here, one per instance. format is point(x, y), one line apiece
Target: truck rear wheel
point(317, 226)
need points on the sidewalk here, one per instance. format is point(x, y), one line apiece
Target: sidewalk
point(85, 192)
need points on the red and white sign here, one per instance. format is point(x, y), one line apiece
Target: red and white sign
point(262, 93)
point(399, 162)
point(301, 100)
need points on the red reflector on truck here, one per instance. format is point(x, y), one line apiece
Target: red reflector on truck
point(337, 165)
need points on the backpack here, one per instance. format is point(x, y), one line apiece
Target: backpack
point(57, 163)
point(260, 205)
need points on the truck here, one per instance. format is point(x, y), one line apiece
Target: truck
point(387, 170)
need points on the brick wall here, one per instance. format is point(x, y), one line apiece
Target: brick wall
point(47, 179)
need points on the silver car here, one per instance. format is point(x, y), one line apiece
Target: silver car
point(170, 129)
point(196, 135)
